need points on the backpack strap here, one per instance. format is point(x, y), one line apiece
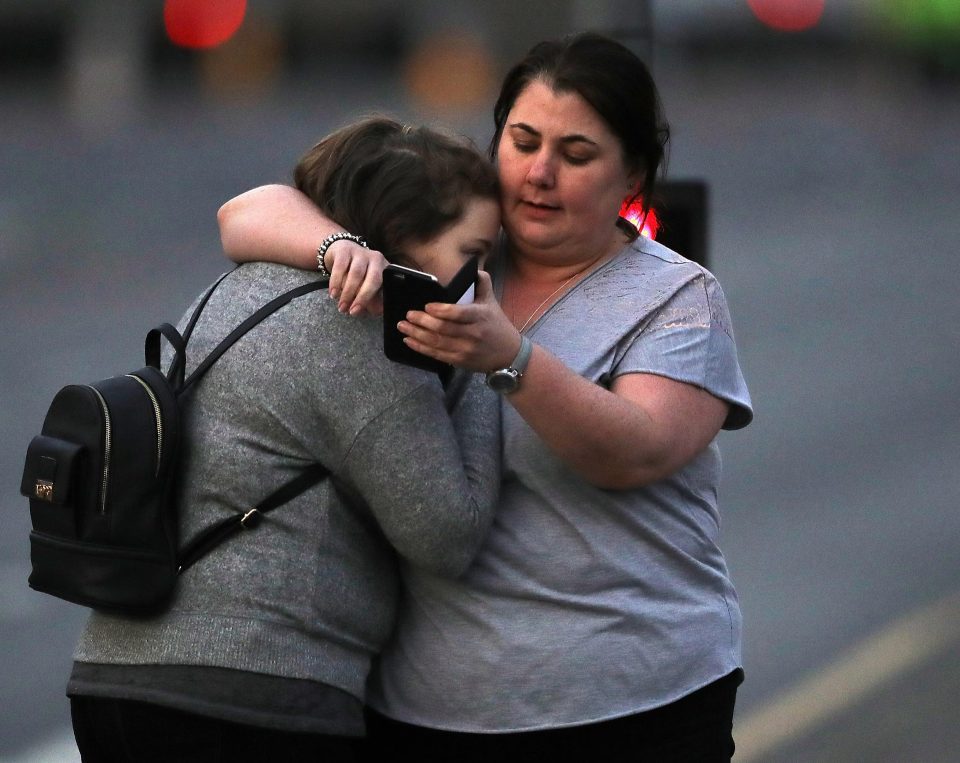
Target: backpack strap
point(175, 375)
point(151, 347)
point(151, 351)
point(249, 323)
point(211, 537)
point(188, 331)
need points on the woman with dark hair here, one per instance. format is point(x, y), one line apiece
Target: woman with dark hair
point(598, 621)
point(265, 650)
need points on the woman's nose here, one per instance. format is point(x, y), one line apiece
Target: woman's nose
point(542, 173)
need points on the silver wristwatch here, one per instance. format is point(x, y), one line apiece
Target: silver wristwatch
point(506, 380)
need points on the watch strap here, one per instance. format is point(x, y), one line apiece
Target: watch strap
point(520, 362)
point(506, 380)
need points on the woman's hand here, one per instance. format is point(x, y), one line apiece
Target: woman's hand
point(356, 275)
point(478, 336)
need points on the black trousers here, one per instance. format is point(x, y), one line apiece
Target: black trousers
point(695, 728)
point(123, 731)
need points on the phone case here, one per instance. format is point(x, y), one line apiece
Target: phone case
point(405, 289)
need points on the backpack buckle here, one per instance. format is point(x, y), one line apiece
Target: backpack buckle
point(251, 519)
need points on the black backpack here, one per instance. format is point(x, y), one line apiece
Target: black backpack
point(101, 479)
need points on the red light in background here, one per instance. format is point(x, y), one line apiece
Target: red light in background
point(633, 213)
point(788, 15)
point(202, 23)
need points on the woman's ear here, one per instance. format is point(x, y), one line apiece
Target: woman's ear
point(635, 181)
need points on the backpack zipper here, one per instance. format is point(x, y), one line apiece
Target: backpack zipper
point(157, 418)
point(107, 445)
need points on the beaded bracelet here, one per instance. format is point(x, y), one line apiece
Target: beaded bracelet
point(328, 242)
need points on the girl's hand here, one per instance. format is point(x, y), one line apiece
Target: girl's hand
point(356, 275)
point(478, 337)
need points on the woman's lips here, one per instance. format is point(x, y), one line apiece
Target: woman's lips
point(538, 209)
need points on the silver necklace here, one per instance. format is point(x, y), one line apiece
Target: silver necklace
point(550, 296)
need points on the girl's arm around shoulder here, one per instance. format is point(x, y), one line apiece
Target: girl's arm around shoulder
point(432, 478)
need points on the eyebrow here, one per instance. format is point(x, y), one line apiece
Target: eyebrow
point(575, 138)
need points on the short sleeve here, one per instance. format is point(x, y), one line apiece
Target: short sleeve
point(690, 339)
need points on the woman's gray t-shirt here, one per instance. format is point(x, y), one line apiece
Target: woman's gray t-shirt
point(586, 604)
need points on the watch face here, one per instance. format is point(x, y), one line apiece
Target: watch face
point(504, 380)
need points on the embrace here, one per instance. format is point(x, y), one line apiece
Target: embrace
point(518, 562)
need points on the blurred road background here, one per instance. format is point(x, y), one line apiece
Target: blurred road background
point(832, 162)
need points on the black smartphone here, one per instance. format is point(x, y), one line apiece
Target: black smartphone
point(405, 289)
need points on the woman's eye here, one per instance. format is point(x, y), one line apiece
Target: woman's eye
point(577, 160)
point(525, 148)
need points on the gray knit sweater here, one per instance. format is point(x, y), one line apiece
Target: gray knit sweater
point(311, 593)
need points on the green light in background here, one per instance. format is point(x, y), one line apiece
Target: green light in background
point(922, 22)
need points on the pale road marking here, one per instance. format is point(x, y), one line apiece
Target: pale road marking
point(904, 644)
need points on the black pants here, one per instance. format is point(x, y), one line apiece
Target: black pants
point(122, 731)
point(695, 728)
